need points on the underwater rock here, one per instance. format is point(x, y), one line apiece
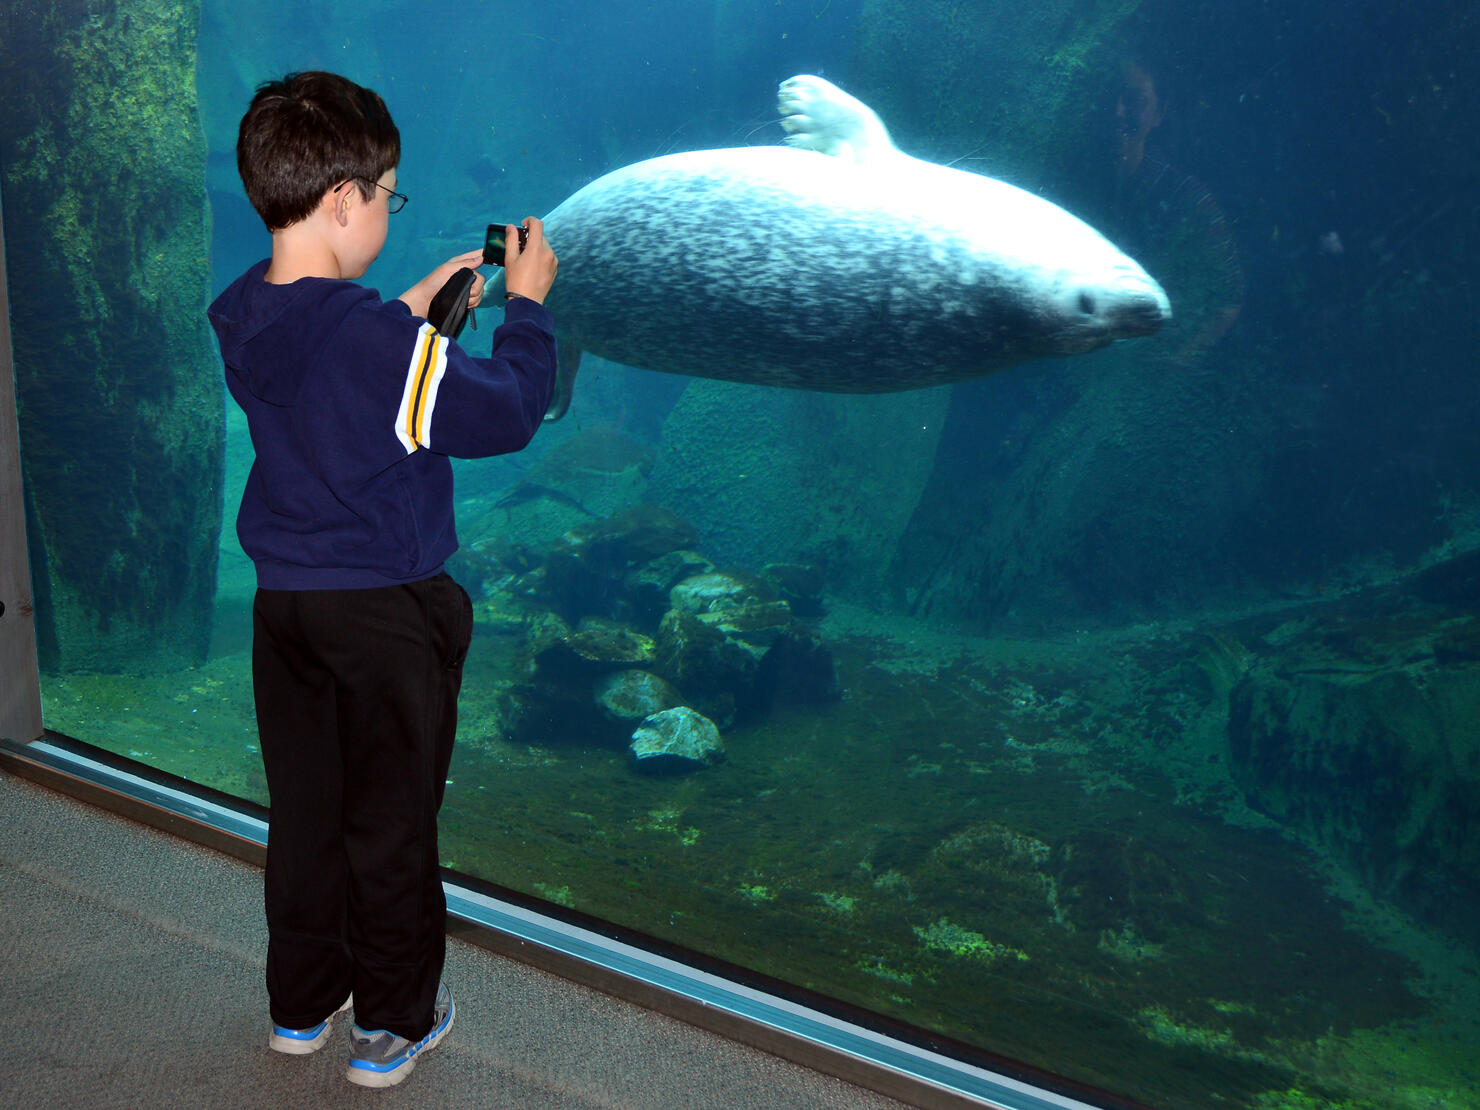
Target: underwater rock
point(727, 645)
point(552, 701)
point(562, 666)
point(731, 466)
point(1363, 735)
point(678, 739)
point(550, 712)
point(588, 566)
point(704, 593)
point(627, 697)
point(594, 645)
point(716, 673)
point(722, 643)
point(800, 585)
point(118, 381)
point(649, 585)
point(755, 624)
point(721, 638)
point(734, 607)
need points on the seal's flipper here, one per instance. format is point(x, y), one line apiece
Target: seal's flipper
point(567, 363)
point(817, 115)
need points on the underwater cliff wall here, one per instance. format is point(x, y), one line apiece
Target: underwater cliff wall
point(120, 403)
point(1016, 91)
point(1354, 723)
point(816, 478)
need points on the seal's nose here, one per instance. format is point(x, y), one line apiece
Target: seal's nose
point(1136, 305)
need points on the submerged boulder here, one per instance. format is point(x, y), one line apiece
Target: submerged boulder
point(648, 587)
point(755, 624)
point(800, 585)
point(593, 646)
point(627, 697)
point(706, 593)
point(630, 621)
point(588, 566)
point(739, 608)
point(676, 740)
point(716, 672)
point(553, 699)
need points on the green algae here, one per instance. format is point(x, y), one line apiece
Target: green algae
point(947, 936)
point(838, 903)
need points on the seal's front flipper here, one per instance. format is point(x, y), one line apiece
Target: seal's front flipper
point(567, 363)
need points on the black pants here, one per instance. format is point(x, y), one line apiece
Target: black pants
point(356, 696)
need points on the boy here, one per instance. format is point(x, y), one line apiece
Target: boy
point(354, 406)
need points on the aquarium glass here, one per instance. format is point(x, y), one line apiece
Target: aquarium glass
point(1112, 707)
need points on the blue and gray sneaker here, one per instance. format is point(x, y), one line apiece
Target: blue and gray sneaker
point(382, 1059)
point(300, 1042)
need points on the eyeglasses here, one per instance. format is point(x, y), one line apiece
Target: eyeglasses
point(394, 204)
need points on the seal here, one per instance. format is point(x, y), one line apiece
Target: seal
point(835, 262)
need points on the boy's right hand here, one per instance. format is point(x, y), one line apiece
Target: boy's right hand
point(531, 271)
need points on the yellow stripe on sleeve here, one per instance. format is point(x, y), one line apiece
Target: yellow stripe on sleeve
point(419, 396)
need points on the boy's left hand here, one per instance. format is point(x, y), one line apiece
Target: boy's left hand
point(419, 296)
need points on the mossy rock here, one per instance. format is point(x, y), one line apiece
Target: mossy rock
point(117, 377)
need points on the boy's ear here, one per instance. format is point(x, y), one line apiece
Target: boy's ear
point(339, 203)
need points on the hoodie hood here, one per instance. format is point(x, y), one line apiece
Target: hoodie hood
point(268, 360)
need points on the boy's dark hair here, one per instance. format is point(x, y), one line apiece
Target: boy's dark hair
point(307, 133)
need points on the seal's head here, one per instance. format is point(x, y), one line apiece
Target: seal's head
point(1094, 309)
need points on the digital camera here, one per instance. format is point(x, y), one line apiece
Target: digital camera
point(493, 243)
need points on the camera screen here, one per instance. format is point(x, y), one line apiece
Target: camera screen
point(493, 245)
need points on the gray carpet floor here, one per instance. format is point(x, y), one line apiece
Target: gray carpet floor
point(133, 977)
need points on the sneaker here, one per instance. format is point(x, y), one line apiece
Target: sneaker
point(300, 1042)
point(382, 1059)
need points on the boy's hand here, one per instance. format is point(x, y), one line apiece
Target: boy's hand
point(419, 296)
point(529, 272)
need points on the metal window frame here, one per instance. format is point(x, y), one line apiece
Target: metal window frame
point(20, 678)
point(908, 1070)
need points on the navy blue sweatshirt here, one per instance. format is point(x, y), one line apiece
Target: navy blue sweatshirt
point(354, 406)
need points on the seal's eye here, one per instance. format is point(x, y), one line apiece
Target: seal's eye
point(1086, 304)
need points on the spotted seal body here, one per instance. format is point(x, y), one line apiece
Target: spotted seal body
point(834, 263)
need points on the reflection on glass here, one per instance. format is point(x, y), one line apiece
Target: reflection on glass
point(1113, 713)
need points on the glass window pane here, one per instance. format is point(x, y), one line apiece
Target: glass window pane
point(1092, 688)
